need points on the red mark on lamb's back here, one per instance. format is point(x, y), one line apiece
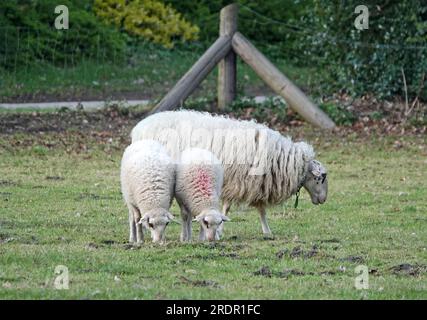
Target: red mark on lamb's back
point(203, 182)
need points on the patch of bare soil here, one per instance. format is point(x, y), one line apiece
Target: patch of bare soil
point(106, 120)
point(200, 283)
point(79, 94)
point(407, 269)
point(109, 129)
point(265, 271)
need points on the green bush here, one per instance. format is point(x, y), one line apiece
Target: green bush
point(338, 113)
point(372, 60)
point(149, 19)
point(322, 34)
point(257, 20)
point(28, 35)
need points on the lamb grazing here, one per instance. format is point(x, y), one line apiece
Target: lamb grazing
point(199, 178)
point(147, 181)
point(261, 167)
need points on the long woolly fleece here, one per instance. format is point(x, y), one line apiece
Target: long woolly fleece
point(261, 167)
point(147, 176)
point(199, 178)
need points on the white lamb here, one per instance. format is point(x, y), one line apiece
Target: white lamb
point(261, 167)
point(147, 181)
point(199, 179)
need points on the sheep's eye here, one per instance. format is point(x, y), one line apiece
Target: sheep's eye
point(151, 225)
point(323, 177)
point(206, 224)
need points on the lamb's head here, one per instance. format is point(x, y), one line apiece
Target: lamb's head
point(156, 221)
point(316, 182)
point(210, 220)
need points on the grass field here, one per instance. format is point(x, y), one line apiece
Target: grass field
point(146, 74)
point(63, 207)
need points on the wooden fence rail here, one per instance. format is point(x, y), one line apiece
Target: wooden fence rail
point(223, 52)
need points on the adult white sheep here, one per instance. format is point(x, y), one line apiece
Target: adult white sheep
point(147, 181)
point(199, 179)
point(261, 167)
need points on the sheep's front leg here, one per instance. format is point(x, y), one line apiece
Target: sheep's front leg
point(225, 208)
point(263, 217)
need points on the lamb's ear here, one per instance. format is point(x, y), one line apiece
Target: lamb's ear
point(225, 218)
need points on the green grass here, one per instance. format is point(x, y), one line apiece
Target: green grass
point(148, 73)
point(26, 110)
point(60, 208)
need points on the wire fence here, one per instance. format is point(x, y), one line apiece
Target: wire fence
point(78, 65)
point(62, 70)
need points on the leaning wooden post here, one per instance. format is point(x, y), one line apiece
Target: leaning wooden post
point(280, 83)
point(227, 66)
point(190, 81)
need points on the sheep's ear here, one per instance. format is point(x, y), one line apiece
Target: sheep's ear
point(323, 177)
point(316, 168)
point(225, 218)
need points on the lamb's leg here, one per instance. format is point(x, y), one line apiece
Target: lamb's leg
point(183, 227)
point(138, 227)
point(189, 229)
point(225, 208)
point(132, 228)
point(202, 236)
point(186, 225)
point(263, 215)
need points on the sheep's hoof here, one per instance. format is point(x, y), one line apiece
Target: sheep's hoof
point(268, 236)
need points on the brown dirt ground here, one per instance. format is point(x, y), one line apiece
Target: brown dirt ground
point(110, 128)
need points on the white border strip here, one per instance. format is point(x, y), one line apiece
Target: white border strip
point(87, 105)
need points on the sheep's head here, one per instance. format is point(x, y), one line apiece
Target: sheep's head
point(210, 220)
point(316, 182)
point(156, 221)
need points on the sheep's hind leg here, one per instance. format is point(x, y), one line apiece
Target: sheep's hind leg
point(265, 228)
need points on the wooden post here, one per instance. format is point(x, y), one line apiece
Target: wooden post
point(280, 83)
point(189, 82)
point(227, 66)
